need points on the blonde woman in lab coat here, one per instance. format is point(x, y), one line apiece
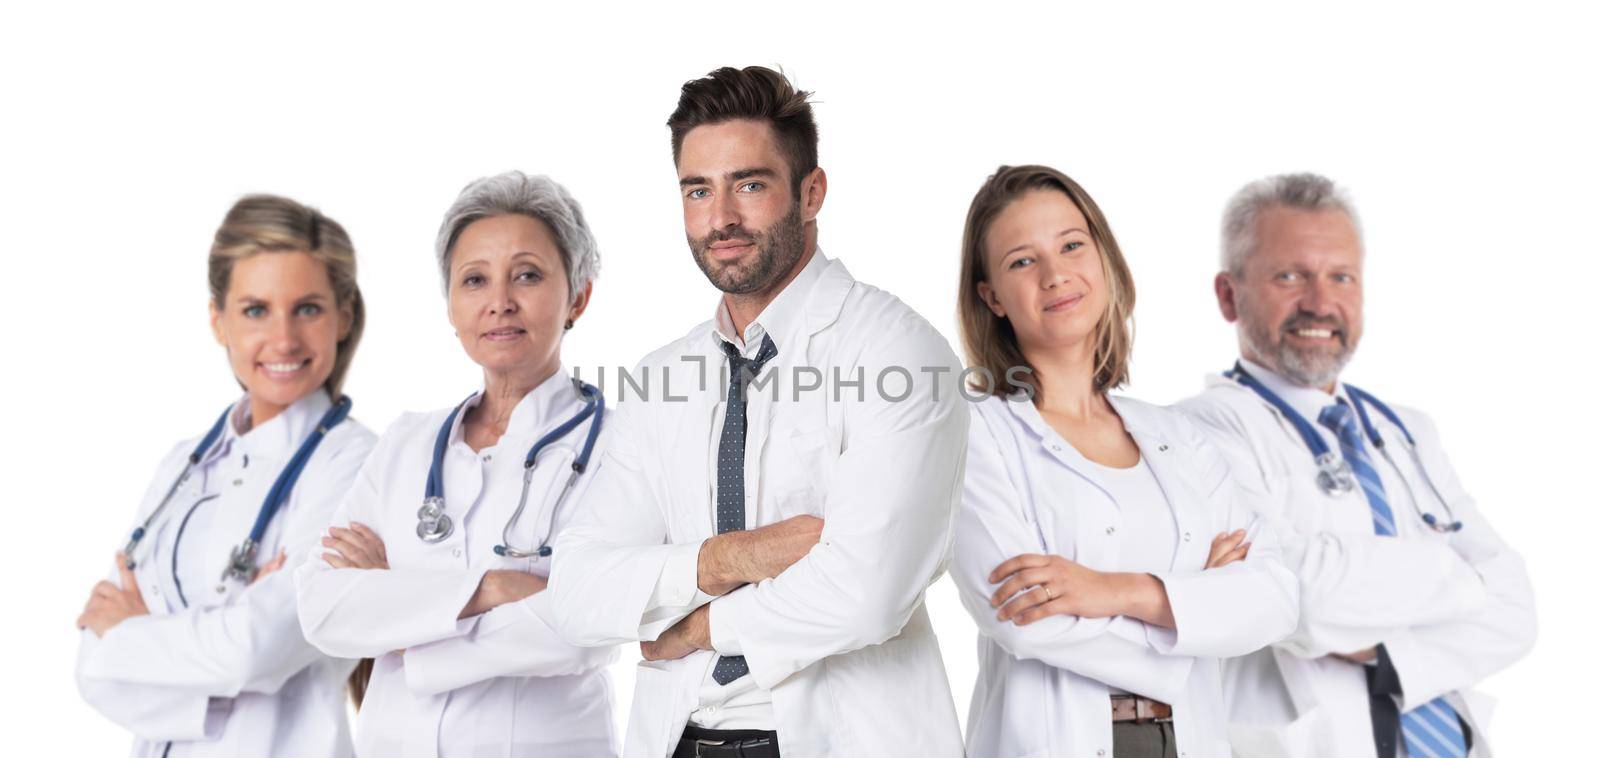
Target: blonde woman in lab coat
point(1100, 545)
point(448, 595)
point(193, 644)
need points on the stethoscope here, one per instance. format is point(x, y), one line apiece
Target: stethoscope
point(1334, 476)
point(434, 525)
point(242, 559)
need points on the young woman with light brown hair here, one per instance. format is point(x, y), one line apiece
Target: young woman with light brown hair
point(1100, 545)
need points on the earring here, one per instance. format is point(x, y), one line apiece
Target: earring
point(569, 324)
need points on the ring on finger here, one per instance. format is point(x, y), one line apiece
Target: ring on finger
point(1047, 591)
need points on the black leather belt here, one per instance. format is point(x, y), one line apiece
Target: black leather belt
point(726, 743)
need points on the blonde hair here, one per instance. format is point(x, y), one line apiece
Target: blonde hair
point(989, 340)
point(270, 224)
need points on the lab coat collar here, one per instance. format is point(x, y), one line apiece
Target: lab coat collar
point(1135, 418)
point(280, 436)
point(787, 314)
point(549, 403)
point(1307, 401)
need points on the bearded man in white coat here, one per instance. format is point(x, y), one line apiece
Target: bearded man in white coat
point(766, 521)
point(1408, 597)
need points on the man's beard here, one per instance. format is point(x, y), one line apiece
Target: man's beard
point(1305, 367)
point(777, 248)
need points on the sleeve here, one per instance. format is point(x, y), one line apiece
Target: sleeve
point(991, 528)
point(1239, 608)
point(1437, 658)
point(615, 577)
point(515, 639)
point(364, 613)
point(151, 712)
point(1348, 599)
point(252, 644)
point(887, 520)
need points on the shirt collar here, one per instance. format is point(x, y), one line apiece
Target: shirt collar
point(281, 435)
point(1307, 401)
point(780, 318)
point(551, 402)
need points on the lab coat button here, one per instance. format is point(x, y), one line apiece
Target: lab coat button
point(456, 552)
point(221, 588)
point(238, 482)
point(1101, 751)
point(1185, 536)
point(1163, 448)
point(1056, 448)
point(1111, 530)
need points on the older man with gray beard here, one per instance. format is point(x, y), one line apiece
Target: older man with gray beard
point(1409, 598)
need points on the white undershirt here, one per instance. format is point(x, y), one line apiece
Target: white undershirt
point(1151, 533)
point(1147, 523)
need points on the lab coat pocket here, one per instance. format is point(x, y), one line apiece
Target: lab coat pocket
point(805, 463)
point(1301, 738)
point(655, 697)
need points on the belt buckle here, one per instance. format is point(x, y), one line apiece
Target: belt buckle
point(699, 743)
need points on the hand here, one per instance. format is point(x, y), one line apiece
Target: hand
point(731, 559)
point(356, 547)
point(502, 586)
point(691, 633)
point(110, 605)
point(1062, 587)
point(1362, 657)
point(270, 566)
point(1227, 548)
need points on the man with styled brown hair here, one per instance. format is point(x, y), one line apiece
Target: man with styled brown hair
point(768, 534)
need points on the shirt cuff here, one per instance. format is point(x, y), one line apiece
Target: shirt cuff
point(679, 583)
point(724, 638)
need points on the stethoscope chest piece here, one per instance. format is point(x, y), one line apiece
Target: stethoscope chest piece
point(1334, 476)
point(433, 524)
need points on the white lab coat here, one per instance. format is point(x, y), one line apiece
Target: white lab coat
point(1043, 689)
point(1450, 608)
point(501, 682)
point(230, 675)
point(841, 638)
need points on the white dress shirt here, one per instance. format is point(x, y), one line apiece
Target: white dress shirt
point(741, 703)
point(1044, 689)
point(502, 682)
point(220, 668)
point(839, 642)
point(1449, 608)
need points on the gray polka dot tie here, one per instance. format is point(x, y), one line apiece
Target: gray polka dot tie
point(730, 467)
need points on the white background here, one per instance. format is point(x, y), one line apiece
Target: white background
point(1466, 135)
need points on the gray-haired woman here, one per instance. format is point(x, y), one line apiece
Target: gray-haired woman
point(435, 564)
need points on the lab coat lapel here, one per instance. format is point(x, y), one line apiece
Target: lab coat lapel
point(691, 441)
point(820, 310)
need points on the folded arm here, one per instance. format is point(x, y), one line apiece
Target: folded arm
point(991, 528)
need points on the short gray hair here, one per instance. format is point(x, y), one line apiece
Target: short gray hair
point(1304, 191)
point(537, 197)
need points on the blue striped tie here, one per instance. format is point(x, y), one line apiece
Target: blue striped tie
point(1432, 730)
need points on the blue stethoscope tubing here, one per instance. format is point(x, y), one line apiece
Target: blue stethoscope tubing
point(433, 524)
point(241, 562)
point(1333, 474)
